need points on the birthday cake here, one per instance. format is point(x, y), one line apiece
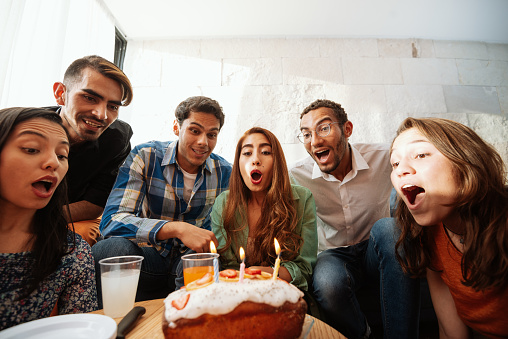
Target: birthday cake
point(254, 308)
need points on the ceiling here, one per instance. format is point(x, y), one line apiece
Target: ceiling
point(477, 20)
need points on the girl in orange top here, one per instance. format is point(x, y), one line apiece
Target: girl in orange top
point(453, 212)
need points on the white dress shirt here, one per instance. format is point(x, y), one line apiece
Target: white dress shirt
point(346, 210)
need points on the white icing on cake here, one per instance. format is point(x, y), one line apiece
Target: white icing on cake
point(222, 298)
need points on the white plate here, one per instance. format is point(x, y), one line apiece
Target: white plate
point(75, 326)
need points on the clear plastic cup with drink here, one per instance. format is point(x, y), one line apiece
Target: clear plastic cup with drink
point(196, 265)
point(119, 279)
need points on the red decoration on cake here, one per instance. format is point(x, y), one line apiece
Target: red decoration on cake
point(253, 271)
point(180, 303)
point(228, 273)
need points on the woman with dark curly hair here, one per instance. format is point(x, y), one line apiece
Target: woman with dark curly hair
point(261, 205)
point(44, 268)
point(453, 212)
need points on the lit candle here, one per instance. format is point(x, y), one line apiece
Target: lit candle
point(242, 265)
point(277, 262)
point(215, 262)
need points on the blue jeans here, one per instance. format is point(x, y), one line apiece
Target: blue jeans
point(340, 272)
point(159, 275)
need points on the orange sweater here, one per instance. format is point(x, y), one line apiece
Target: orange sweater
point(485, 311)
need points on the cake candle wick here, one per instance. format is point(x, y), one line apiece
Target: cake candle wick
point(215, 262)
point(277, 262)
point(242, 265)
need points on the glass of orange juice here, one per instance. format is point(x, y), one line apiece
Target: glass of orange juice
point(196, 265)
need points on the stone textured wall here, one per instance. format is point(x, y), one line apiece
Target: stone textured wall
point(267, 82)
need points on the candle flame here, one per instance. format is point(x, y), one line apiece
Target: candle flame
point(212, 247)
point(277, 247)
point(242, 253)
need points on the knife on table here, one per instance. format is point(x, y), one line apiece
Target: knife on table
point(127, 323)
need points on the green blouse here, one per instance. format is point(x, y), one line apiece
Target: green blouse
point(300, 268)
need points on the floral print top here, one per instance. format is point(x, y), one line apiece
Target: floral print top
point(71, 287)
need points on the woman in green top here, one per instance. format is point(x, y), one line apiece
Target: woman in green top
point(260, 205)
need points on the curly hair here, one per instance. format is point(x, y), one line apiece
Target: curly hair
point(278, 214)
point(337, 109)
point(199, 104)
point(482, 204)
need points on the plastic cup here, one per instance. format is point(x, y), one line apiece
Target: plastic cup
point(119, 279)
point(196, 265)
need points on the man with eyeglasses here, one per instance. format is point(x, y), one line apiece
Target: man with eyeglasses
point(351, 185)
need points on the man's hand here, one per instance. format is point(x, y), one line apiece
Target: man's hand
point(195, 238)
point(198, 239)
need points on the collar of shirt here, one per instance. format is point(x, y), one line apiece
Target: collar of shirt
point(170, 157)
point(359, 163)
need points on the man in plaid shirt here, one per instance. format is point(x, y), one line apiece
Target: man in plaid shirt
point(160, 204)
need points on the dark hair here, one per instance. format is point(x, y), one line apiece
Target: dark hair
point(49, 224)
point(199, 104)
point(104, 67)
point(278, 214)
point(337, 109)
point(482, 204)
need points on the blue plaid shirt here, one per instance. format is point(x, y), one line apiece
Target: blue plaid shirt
point(148, 193)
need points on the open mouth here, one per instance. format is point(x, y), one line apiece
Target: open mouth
point(43, 185)
point(411, 191)
point(256, 176)
point(322, 156)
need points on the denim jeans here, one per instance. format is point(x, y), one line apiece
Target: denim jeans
point(158, 274)
point(340, 272)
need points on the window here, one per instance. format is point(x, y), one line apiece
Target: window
point(120, 48)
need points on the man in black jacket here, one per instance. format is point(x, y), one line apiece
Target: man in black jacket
point(89, 98)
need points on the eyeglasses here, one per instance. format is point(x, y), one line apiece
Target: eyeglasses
point(323, 130)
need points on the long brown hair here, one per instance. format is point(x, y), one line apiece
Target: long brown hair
point(482, 204)
point(50, 231)
point(278, 215)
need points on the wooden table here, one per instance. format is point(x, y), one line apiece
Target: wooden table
point(150, 324)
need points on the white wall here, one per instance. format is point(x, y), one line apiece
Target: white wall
point(268, 82)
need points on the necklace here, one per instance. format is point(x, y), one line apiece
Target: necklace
point(461, 240)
